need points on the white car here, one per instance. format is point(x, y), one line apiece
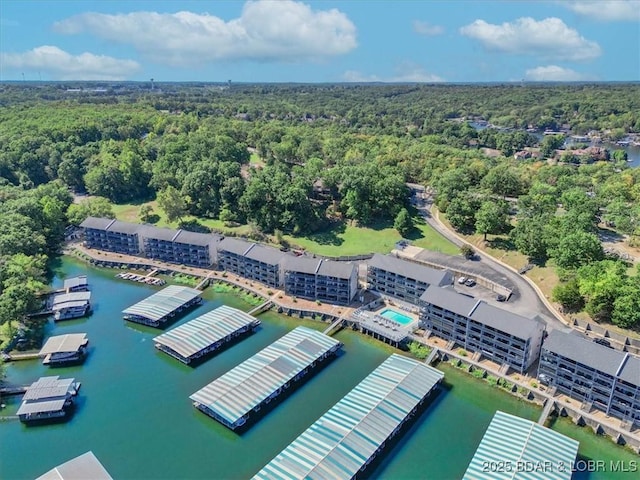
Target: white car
point(461, 280)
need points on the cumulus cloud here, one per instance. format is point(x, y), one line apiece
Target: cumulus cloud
point(61, 65)
point(267, 30)
point(548, 38)
point(607, 10)
point(554, 73)
point(407, 72)
point(427, 29)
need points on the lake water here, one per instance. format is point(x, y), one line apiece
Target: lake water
point(134, 413)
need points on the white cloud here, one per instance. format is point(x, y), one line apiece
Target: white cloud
point(427, 29)
point(607, 10)
point(554, 73)
point(267, 30)
point(548, 38)
point(407, 72)
point(61, 65)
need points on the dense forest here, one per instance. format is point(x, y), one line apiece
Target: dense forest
point(299, 158)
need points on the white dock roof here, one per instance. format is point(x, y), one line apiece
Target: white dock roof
point(64, 343)
point(84, 467)
point(162, 303)
point(511, 441)
point(205, 330)
point(340, 442)
point(71, 297)
point(246, 386)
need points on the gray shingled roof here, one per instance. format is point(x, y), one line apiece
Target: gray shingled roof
point(300, 264)
point(411, 270)
point(331, 268)
point(97, 223)
point(505, 321)
point(158, 233)
point(197, 238)
point(268, 255)
point(234, 245)
point(575, 347)
point(449, 300)
point(124, 227)
point(631, 370)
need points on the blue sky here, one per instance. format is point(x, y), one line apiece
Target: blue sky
point(321, 41)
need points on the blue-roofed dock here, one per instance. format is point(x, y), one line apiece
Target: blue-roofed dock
point(346, 439)
point(163, 306)
point(206, 334)
point(241, 392)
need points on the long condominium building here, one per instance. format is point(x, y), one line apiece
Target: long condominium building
point(499, 335)
point(250, 260)
point(599, 376)
point(402, 279)
point(318, 279)
point(167, 245)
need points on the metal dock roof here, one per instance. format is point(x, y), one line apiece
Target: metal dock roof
point(246, 386)
point(64, 343)
point(71, 297)
point(205, 330)
point(516, 443)
point(75, 282)
point(345, 438)
point(47, 394)
point(86, 466)
point(163, 303)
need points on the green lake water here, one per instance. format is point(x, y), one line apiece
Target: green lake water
point(134, 412)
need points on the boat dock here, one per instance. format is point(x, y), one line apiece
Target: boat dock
point(149, 278)
point(71, 305)
point(345, 440)
point(163, 306)
point(206, 334)
point(49, 398)
point(85, 466)
point(513, 441)
point(64, 349)
point(241, 392)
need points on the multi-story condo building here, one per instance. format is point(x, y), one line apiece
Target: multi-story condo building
point(250, 260)
point(594, 374)
point(318, 279)
point(402, 279)
point(112, 235)
point(497, 334)
point(180, 246)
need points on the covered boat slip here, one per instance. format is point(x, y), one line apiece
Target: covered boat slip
point(342, 442)
point(233, 397)
point(520, 448)
point(84, 467)
point(64, 348)
point(205, 333)
point(157, 309)
point(49, 397)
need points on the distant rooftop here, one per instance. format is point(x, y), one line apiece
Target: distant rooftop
point(449, 300)
point(319, 266)
point(511, 441)
point(263, 254)
point(75, 282)
point(124, 227)
point(97, 223)
point(234, 245)
point(84, 467)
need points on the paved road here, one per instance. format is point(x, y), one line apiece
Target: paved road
point(524, 298)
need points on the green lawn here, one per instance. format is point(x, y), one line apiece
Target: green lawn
point(347, 239)
point(341, 239)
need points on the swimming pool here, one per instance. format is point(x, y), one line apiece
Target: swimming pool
point(396, 316)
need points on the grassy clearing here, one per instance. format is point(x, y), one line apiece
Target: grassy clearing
point(254, 159)
point(345, 239)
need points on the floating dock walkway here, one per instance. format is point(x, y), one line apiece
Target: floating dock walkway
point(346, 439)
point(206, 334)
point(163, 306)
point(241, 392)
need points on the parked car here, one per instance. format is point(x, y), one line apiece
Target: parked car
point(470, 282)
point(501, 298)
point(461, 280)
point(603, 342)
